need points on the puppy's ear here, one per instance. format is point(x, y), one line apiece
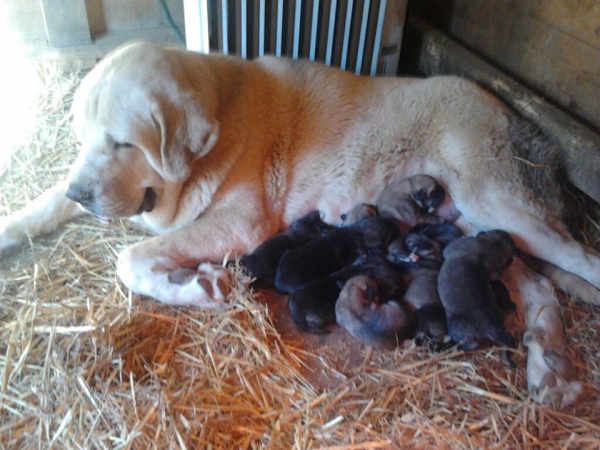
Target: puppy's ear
point(185, 135)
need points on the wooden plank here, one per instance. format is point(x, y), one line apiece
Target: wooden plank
point(438, 54)
point(579, 19)
point(66, 22)
point(539, 42)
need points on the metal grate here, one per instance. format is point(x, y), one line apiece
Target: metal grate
point(343, 33)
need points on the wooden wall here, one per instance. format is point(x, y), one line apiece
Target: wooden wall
point(551, 45)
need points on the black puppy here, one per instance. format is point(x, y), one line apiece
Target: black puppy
point(308, 263)
point(370, 309)
point(464, 285)
point(262, 263)
point(313, 307)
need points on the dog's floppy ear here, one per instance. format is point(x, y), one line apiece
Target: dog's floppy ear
point(185, 135)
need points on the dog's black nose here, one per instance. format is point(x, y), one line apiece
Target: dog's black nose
point(80, 194)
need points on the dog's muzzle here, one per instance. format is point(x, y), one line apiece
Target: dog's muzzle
point(81, 195)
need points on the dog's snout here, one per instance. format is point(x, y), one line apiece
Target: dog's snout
point(80, 194)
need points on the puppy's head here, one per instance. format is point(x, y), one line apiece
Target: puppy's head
point(359, 212)
point(427, 193)
point(500, 249)
point(358, 296)
point(423, 246)
point(140, 125)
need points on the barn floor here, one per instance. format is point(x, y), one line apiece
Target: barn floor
point(86, 364)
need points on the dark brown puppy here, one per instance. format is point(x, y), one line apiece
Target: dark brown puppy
point(313, 307)
point(441, 233)
point(262, 263)
point(359, 212)
point(411, 200)
point(470, 264)
point(421, 262)
point(371, 313)
point(377, 233)
point(306, 264)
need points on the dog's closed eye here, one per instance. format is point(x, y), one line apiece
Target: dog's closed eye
point(119, 145)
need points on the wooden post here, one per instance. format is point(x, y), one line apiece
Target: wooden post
point(66, 22)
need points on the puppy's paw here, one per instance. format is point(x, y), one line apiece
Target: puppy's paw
point(550, 372)
point(206, 287)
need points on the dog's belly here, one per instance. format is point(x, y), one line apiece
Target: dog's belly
point(334, 188)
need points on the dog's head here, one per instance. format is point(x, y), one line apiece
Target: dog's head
point(141, 122)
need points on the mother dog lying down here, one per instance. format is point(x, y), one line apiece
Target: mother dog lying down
point(214, 153)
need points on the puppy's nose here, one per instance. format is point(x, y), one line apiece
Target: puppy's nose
point(80, 194)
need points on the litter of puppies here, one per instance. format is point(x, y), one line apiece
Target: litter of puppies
point(393, 271)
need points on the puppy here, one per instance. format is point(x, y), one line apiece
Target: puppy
point(442, 233)
point(359, 212)
point(411, 200)
point(371, 313)
point(377, 233)
point(470, 264)
point(304, 265)
point(420, 258)
point(262, 263)
point(313, 307)
point(424, 241)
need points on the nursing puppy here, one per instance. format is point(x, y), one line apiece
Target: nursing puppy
point(377, 233)
point(262, 262)
point(442, 233)
point(421, 261)
point(215, 154)
point(469, 266)
point(359, 212)
point(411, 200)
point(372, 313)
point(304, 265)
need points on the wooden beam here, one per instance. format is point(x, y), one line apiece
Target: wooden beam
point(66, 22)
point(438, 54)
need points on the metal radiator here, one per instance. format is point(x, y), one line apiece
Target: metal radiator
point(363, 36)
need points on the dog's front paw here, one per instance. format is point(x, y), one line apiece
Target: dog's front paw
point(11, 237)
point(549, 371)
point(207, 286)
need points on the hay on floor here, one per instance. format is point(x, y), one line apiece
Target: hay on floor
point(86, 364)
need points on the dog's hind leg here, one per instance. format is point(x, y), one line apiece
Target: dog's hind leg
point(566, 281)
point(561, 249)
point(549, 368)
point(538, 232)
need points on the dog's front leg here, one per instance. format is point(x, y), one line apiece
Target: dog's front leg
point(42, 215)
point(549, 369)
point(176, 268)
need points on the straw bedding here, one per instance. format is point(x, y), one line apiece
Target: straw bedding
point(86, 364)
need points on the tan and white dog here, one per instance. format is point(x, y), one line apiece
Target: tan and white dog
point(216, 154)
